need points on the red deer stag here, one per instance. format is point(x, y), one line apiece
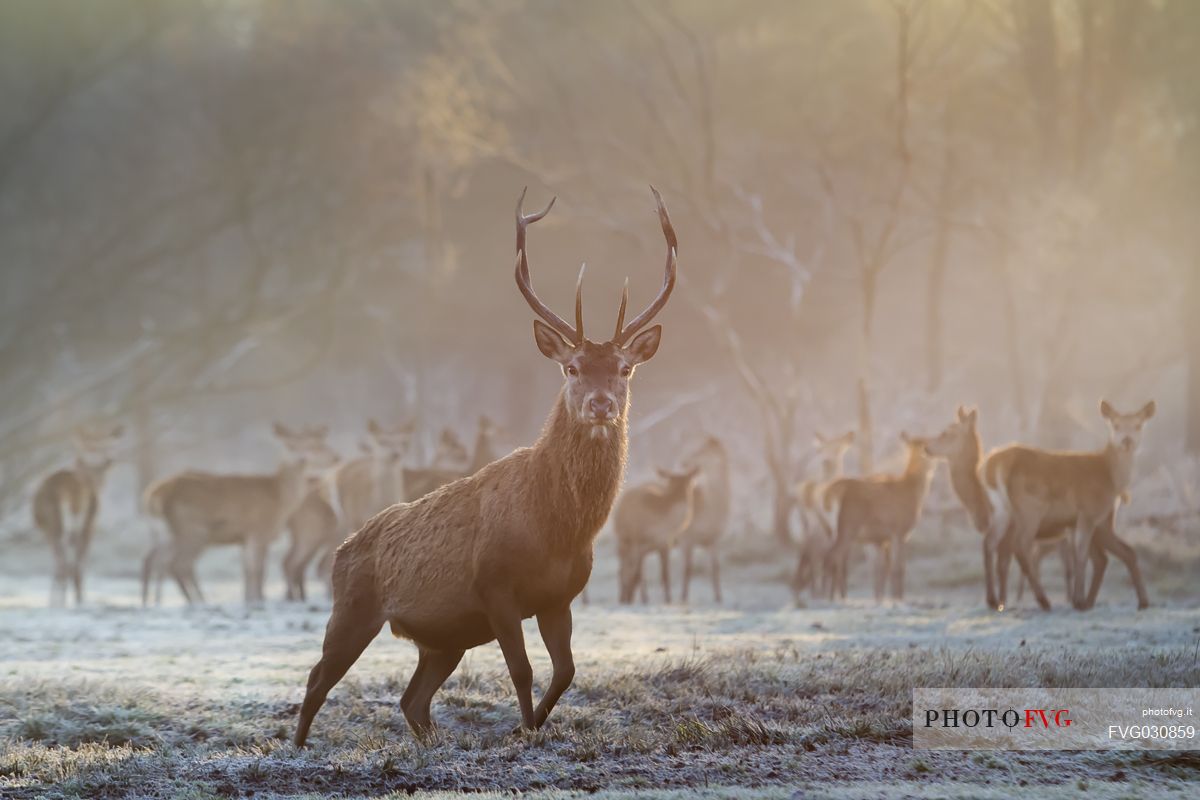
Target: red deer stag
point(464, 565)
point(65, 506)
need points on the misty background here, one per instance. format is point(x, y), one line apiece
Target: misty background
point(214, 214)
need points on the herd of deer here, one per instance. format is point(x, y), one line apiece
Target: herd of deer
point(1025, 501)
point(476, 550)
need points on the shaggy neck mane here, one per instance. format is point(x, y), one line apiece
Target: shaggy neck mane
point(578, 474)
point(964, 478)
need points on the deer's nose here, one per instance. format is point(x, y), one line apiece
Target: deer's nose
point(601, 405)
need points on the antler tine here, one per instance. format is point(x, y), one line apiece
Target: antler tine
point(621, 310)
point(579, 303)
point(668, 286)
point(523, 280)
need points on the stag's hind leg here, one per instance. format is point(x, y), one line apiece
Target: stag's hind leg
point(348, 633)
point(433, 668)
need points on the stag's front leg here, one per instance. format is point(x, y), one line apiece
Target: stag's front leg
point(505, 619)
point(555, 626)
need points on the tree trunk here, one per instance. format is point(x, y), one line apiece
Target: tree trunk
point(937, 266)
point(1012, 341)
point(866, 444)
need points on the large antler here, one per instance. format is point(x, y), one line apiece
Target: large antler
point(573, 335)
point(624, 332)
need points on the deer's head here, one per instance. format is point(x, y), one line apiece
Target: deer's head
point(450, 449)
point(678, 484)
point(959, 437)
point(833, 448)
point(391, 443)
point(306, 448)
point(1125, 430)
point(919, 457)
point(95, 444)
point(596, 374)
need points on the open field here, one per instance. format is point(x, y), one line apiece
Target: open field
point(758, 699)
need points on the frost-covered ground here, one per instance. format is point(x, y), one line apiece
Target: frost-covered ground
point(756, 698)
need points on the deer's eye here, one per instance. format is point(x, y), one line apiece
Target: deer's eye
point(571, 370)
point(626, 371)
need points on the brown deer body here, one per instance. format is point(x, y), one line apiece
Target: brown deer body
point(881, 510)
point(1076, 491)
point(710, 511)
point(651, 518)
point(203, 509)
point(464, 565)
point(65, 505)
point(817, 526)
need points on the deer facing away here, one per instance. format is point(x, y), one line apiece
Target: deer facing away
point(1076, 491)
point(881, 510)
point(65, 505)
point(710, 510)
point(650, 518)
point(464, 565)
point(818, 526)
point(204, 509)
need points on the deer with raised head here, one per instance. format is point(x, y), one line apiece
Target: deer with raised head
point(315, 530)
point(362, 487)
point(817, 526)
point(651, 518)
point(881, 510)
point(710, 511)
point(1036, 490)
point(65, 505)
point(448, 464)
point(203, 509)
point(462, 566)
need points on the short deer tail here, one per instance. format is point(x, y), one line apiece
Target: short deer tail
point(152, 500)
point(832, 495)
point(995, 470)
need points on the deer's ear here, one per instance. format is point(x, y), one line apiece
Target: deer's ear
point(117, 432)
point(1106, 410)
point(645, 344)
point(282, 431)
point(372, 426)
point(971, 416)
point(1148, 410)
point(850, 437)
point(551, 343)
point(904, 437)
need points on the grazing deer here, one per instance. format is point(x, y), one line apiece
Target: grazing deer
point(710, 510)
point(881, 510)
point(1076, 491)
point(816, 524)
point(651, 518)
point(464, 565)
point(65, 507)
point(203, 509)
